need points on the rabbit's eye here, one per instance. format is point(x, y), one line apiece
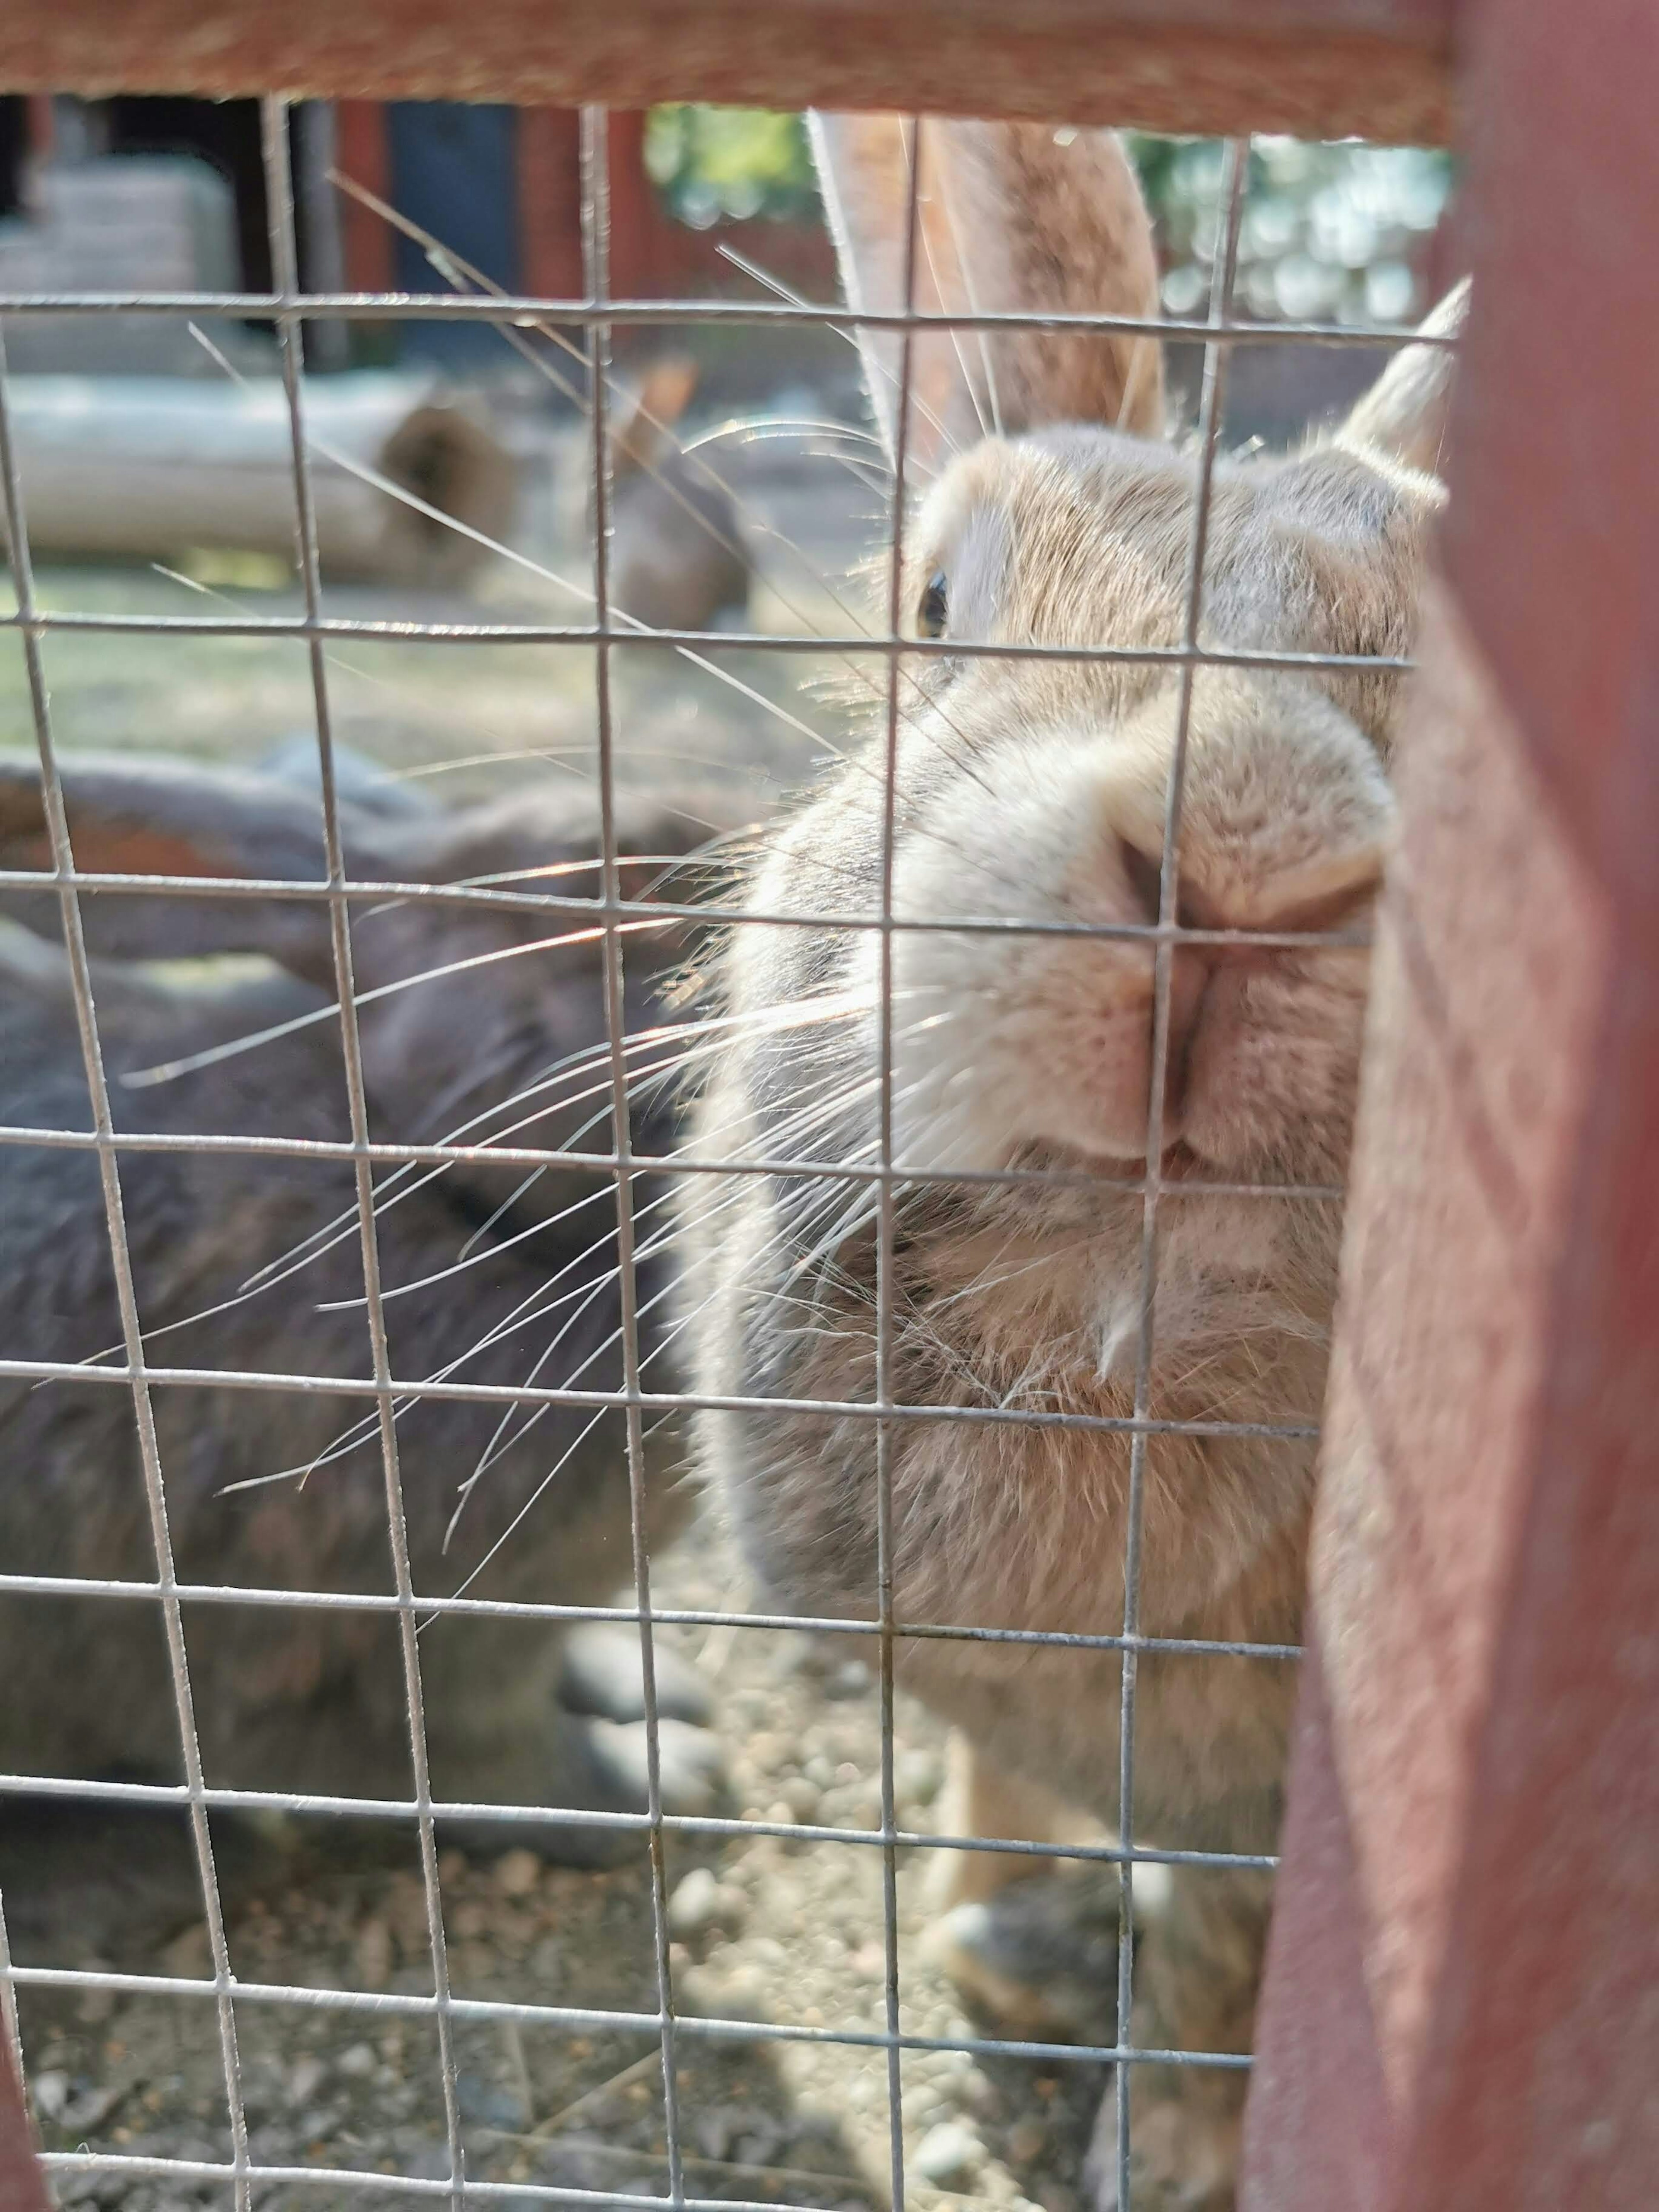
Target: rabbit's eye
point(934, 609)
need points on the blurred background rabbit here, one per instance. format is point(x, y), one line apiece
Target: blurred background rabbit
point(680, 557)
point(474, 1022)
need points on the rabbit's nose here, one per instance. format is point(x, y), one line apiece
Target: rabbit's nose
point(1334, 899)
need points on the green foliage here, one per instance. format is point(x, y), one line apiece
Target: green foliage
point(712, 164)
point(1330, 232)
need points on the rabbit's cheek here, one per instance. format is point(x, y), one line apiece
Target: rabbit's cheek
point(1051, 1045)
point(1089, 1070)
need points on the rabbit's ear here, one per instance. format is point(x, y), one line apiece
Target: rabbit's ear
point(151, 816)
point(645, 431)
point(1013, 217)
point(1404, 413)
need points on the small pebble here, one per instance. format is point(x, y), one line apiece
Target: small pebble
point(801, 1796)
point(188, 1955)
point(978, 2093)
point(492, 2103)
point(373, 1955)
point(52, 2092)
point(948, 2155)
point(1026, 2141)
point(917, 1777)
point(359, 2061)
point(517, 1873)
point(694, 1907)
point(305, 2079)
point(602, 1674)
point(739, 1996)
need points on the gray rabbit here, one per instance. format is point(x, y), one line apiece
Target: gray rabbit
point(493, 1275)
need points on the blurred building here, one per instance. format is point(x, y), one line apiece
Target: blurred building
point(168, 194)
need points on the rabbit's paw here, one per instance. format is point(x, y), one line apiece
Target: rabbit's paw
point(691, 1765)
point(1184, 2134)
point(586, 1750)
point(602, 1673)
point(1039, 1957)
point(600, 1766)
point(602, 1683)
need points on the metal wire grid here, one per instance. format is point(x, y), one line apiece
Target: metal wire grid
point(597, 314)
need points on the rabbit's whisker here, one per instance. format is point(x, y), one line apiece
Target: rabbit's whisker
point(485, 1228)
point(170, 1071)
point(469, 1259)
point(795, 300)
point(500, 1444)
point(504, 1437)
point(955, 335)
point(536, 1495)
point(701, 1039)
point(405, 498)
point(816, 1110)
point(764, 430)
point(458, 273)
point(982, 338)
point(564, 758)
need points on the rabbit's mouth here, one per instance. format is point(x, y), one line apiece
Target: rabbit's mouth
point(1177, 1163)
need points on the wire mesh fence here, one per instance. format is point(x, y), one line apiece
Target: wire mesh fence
point(879, 1189)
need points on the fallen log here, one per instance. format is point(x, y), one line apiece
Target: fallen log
point(156, 467)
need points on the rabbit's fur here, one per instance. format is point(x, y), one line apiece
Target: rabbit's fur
point(314, 1701)
point(1037, 792)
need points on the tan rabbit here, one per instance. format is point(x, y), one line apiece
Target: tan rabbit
point(1035, 792)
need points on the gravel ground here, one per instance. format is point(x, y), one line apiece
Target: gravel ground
point(763, 1928)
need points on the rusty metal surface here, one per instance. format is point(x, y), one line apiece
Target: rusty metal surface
point(1317, 69)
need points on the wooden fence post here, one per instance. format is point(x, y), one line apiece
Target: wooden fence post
point(362, 154)
point(550, 202)
point(1462, 2002)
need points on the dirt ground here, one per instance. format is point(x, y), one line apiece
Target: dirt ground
point(786, 1931)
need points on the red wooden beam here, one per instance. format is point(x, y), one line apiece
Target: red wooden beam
point(637, 221)
point(550, 202)
point(362, 153)
point(1460, 2005)
point(1319, 68)
point(42, 127)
